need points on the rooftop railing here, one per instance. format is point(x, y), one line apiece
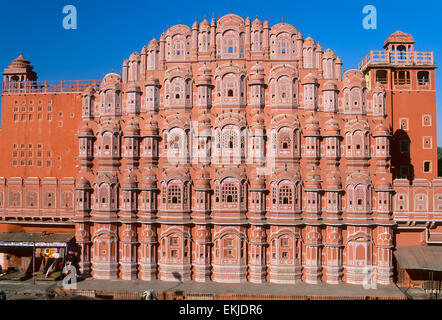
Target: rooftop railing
point(397, 58)
point(67, 86)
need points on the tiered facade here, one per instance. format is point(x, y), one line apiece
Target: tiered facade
point(231, 151)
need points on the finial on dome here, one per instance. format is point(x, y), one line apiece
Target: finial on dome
point(282, 19)
point(179, 20)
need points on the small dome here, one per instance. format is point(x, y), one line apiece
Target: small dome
point(381, 131)
point(111, 81)
point(151, 127)
point(152, 80)
point(20, 62)
point(383, 185)
point(257, 68)
point(319, 48)
point(89, 91)
point(266, 24)
point(204, 24)
point(329, 85)
point(399, 37)
point(153, 44)
point(204, 123)
point(257, 121)
point(338, 60)
point(310, 78)
point(202, 235)
point(353, 78)
point(331, 128)
point(313, 180)
point(134, 56)
point(83, 183)
point(86, 131)
point(132, 128)
point(258, 182)
point(256, 74)
point(129, 180)
point(202, 179)
point(133, 87)
point(256, 24)
point(195, 25)
point(333, 181)
point(258, 235)
point(204, 75)
point(149, 180)
point(309, 42)
point(329, 54)
point(312, 127)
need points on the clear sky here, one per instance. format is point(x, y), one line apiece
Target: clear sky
point(109, 31)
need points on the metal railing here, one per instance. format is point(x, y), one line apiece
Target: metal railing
point(64, 86)
point(397, 57)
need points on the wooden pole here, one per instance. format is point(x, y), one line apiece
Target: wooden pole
point(33, 262)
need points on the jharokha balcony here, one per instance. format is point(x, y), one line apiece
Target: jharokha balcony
point(397, 57)
point(67, 86)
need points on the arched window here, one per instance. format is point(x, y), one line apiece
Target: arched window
point(229, 193)
point(174, 194)
point(285, 195)
point(230, 139)
point(177, 90)
point(231, 87)
point(178, 48)
point(284, 92)
point(285, 141)
point(231, 43)
point(283, 47)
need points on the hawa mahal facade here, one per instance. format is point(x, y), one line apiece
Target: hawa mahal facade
point(231, 151)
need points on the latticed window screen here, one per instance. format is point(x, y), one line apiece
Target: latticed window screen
point(283, 46)
point(229, 193)
point(285, 195)
point(175, 141)
point(274, 194)
point(285, 141)
point(274, 140)
point(174, 194)
point(284, 242)
point(230, 139)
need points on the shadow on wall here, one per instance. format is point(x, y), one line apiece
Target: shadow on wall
point(401, 166)
point(439, 161)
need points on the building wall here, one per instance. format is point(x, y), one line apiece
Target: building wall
point(231, 151)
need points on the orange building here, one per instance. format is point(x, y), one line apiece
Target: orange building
point(231, 151)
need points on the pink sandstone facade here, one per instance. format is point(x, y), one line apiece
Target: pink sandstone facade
point(231, 151)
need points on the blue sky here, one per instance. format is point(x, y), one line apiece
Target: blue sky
point(108, 31)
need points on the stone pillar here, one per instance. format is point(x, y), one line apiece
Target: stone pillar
point(128, 256)
point(384, 252)
point(333, 255)
point(201, 258)
point(257, 256)
point(83, 239)
point(105, 248)
point(147, 252)
point(313, 252)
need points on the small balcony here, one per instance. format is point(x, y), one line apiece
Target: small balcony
point(397, 58)
point(68, 86)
